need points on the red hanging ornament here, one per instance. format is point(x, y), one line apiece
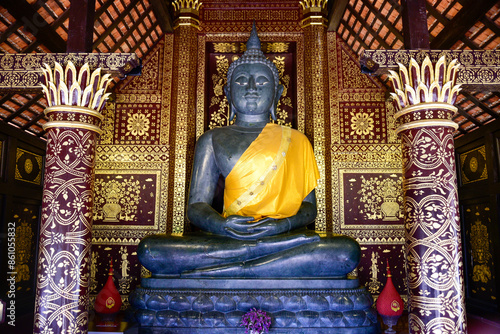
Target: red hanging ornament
point(108, 300)
point(389, 303)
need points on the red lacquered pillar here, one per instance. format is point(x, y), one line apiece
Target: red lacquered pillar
point(424, 95)
point(74, 120)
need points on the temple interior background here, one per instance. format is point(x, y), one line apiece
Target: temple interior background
point(152, 121)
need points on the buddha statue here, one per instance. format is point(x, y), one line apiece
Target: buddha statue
point(270, 174)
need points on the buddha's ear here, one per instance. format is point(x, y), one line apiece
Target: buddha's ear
point(230, 104)
point(279, 91)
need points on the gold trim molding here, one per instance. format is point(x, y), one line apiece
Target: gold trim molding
point(72, 125)
point(425, 106)
point(427, 123)
point(76, 109)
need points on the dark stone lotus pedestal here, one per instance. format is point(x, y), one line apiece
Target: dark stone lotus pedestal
point(216, 305)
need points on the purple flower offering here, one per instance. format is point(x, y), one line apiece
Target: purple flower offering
point(256, 321)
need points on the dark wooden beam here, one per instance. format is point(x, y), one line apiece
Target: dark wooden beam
point(471, 12)
point(370, 30)
point(115, 24)
point(81, 26)
point(130, 31)
point(491, 25)
point(9, 31)
point(23, 108)
point(6, 98)
point(415, 33)
point(480, 104)
point(162, 14)
point(36, 24)
point(385, 23)
point(468, 116)
point(33, 121)
point(335, 13)
point(143, 38)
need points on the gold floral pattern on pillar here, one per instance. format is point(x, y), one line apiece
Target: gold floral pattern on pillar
point(424, 96)
point(75, 99)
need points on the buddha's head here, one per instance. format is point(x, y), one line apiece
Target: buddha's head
point(253, 82)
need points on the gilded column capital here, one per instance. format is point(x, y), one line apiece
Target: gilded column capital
point(424, 94)
point(315, 12)
point(187, 13)
point(75, 98)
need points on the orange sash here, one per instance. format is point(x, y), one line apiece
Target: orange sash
point(273, 176)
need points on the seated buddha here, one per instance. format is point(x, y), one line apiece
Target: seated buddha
point(270, 174)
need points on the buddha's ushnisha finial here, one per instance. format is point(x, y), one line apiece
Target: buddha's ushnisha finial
point(254, 41)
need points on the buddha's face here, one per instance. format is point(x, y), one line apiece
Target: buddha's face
point(252, 89)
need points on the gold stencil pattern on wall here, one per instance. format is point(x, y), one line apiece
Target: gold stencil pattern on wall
point(473, 165)
point(480, 244)
point(351, 74)
point(28, 167)
point(116, 199)
point(129, 201)
point(281, 114)
point(219, 80)
point(24, 240)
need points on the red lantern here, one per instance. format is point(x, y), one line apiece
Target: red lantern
point(108, 300)
point(389, 303)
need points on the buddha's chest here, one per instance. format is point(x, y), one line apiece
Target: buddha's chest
point(229, 146)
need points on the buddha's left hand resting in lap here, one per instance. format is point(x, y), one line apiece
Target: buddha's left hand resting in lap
point(270, 175)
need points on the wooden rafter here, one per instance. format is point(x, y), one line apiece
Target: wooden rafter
point(371, 31)
point(415, 30)
point(162, 14)
point(480, 104)
point(45, 33)
point(385, 22)
point(81, 26)
point(471, 12)
point(115, 23)
point(143, 38)
point(33, 121)
point(336, 11)
point(11, 29)
point(130, 31)
point(23, 108)
point(467, 116)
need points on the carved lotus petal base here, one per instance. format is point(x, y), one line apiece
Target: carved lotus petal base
point(301, 310)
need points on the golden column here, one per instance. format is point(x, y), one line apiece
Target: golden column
point(314, 25)
point(424, 97)
point(183, 138)
point(75, 102)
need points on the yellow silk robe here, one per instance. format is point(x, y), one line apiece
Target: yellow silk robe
point(273, 176)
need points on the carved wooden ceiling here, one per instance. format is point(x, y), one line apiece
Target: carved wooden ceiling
point(135, 25)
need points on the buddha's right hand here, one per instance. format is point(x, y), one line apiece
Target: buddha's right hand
point(237, 223)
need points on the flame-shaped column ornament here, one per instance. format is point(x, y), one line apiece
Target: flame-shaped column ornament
point(75, 100)
point(423, 97)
